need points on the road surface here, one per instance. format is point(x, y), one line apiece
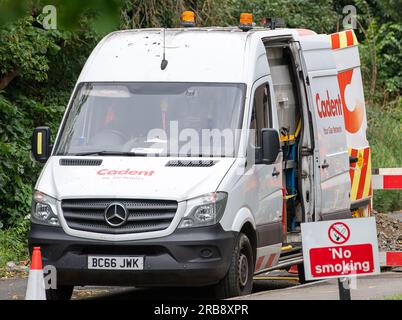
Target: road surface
point(371, 287)
point(14, 289)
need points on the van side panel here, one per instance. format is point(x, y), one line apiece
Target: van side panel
point(345, 50)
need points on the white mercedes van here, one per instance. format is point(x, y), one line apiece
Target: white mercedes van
point(190, 157)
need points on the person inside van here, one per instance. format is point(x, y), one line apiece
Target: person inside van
point(110, 131)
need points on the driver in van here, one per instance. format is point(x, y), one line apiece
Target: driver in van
point(111, 125)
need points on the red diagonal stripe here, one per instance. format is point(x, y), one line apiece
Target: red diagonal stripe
point(338, 232)
point(259, 263)
point(336, 42)
point(349, 38)
point(270, 260)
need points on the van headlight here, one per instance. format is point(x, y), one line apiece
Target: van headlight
point(44, 209)
point(205, 210)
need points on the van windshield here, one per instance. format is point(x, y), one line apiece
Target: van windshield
point(153, 119)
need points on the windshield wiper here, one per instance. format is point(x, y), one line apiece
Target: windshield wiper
point(111, 153)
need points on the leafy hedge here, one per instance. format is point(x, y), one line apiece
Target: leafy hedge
point(46, 64)
point(384, 135)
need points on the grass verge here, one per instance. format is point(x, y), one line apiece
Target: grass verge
point(13, 245)
point(384, 135)
point(394, 297)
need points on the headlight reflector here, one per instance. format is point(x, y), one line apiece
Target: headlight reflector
point(205, 210)
point(44, 209)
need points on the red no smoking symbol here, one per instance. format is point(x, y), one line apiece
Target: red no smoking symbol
point(339, 233)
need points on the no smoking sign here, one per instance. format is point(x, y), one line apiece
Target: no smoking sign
point(339, 233)
point(341, 248)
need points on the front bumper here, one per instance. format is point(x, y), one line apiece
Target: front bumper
point(174, 260)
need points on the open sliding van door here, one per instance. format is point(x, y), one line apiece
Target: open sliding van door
point(331, 158)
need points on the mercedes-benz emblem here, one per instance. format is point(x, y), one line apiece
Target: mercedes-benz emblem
point(116, 215)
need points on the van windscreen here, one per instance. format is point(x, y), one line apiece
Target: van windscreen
point(153, 119)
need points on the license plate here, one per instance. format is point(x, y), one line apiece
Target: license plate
point(115, 263)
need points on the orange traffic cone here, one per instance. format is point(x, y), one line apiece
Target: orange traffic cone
point(36, 281)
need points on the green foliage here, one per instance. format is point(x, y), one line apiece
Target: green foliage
point(394, 297)
point(15, 165)
point(166, 13)
point(13, 243)
point(54, 59)
point(379, 32)
point(392, 9)
point(315, 15)
point(24, 48)
point(380, 55)
point(105, 13)
point(389, 52)
point(384, 134)
point(11, 10)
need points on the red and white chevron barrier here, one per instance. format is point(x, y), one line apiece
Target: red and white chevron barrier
point(387, 179)
point(391, 259)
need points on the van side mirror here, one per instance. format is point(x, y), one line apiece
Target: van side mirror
point(271, 146)
point(41, 147)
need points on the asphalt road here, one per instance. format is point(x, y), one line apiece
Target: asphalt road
point(371, 287)
point(167, 293)
point(381, 286)
point(14, 289)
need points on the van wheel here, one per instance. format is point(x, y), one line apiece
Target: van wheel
point(238, 281)
point(61, 293)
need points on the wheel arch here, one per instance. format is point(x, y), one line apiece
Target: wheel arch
point(243, 222)
point(251, 234)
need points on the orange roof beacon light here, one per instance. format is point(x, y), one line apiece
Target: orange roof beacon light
point(246, 21)
point(188, 19)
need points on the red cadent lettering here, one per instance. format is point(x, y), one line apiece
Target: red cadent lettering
point(328, 107)
point(128, 171)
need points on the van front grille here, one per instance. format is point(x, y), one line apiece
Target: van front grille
point(142, 215)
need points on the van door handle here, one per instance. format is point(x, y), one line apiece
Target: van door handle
point(275, 173)
point(353, 159)
point(325, 165)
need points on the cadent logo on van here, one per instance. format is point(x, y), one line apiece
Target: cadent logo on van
point(125, 173)
point(328, 107)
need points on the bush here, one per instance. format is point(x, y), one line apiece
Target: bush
point(54, 59)
point(16, 168)
point(384, 135)
point(38, 70)
point(13, 243)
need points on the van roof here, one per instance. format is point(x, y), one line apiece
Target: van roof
point(212, 54)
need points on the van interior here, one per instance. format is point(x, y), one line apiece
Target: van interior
point(288, 92)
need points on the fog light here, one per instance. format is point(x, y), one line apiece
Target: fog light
point(54, 221)
point(206, 253)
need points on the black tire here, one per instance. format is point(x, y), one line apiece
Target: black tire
point(61, 293)
point(238, 281)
